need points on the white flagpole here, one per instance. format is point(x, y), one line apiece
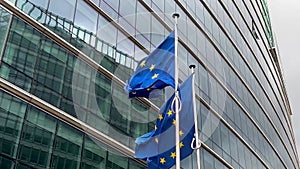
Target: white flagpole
point(198, 143)
point(176, 16)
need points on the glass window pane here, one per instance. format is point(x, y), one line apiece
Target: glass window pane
point(5, 16)
point(37, 138)
point(94, 154)
point(6, 163)
point(67, 150)
point(135, 165)
point(64, 9)
point(85, 17)
point(10, 126)
point(106, 31)
point(116, 161)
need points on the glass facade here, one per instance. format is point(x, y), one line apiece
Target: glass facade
point(74, 57)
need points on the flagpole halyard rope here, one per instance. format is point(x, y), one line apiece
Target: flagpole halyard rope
point(195, 147)
point(179, 104)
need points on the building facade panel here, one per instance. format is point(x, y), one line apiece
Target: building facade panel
point(76, 56)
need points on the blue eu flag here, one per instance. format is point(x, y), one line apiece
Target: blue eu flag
point(155, 71)
point(158, 146)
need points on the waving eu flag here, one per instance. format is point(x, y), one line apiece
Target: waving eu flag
point(158, 146)
point(155, 71)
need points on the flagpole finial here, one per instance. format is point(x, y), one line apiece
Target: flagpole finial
point(175, 15)
point(192, 66)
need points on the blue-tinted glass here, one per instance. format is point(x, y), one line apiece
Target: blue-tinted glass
point(127, 9)
point(40, 67)
point(5, 16)
point(113, 3)
point(94, 154)
point(106, 31)
point(37, 138)
point(85, 17)
point(39, 3)
point(64, 9)
point(6, 163)
point(110, 7)
point(116, 161)
point(21, 54)
point(11, 123)
point(96, 2)
point(34, 8)
point(67, 150)
point(208, 160)
point(135, 165)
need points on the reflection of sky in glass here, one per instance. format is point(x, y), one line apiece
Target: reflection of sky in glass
point(113, 3)
point(65, 8)
point(106, 31)
point(96, 1)
point(124, 44)
point(40, 3)
point(127, 8)
point(86, 17)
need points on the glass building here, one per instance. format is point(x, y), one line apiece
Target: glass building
point(64, 64)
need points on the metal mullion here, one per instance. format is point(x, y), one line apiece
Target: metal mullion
point(7, 33)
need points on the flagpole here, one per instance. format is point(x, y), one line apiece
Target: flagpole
point(198, 143)
point(177, 140)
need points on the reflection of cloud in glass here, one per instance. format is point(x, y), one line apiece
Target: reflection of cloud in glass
point(106, 31)
point(39, 3)
point(63, 9)
point(85, 17)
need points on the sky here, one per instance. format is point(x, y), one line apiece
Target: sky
point(285, 20)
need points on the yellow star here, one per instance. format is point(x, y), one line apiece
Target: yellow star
point(181, 133)
point(143, 64)
point(162, 160)
point(170, 113)
point(181, 144)
point(173, 155)
point(133, 92)
point(155, 76)
point(174, 121)
point(160, 117)
point(148, 89)
point(155, 128)
point(156, 140)
point(152, 67)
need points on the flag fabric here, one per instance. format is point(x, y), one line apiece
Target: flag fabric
point(156, 71)
point(158, 146)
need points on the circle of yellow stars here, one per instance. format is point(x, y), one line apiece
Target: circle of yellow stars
point(143, 64)
point(162, 160)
